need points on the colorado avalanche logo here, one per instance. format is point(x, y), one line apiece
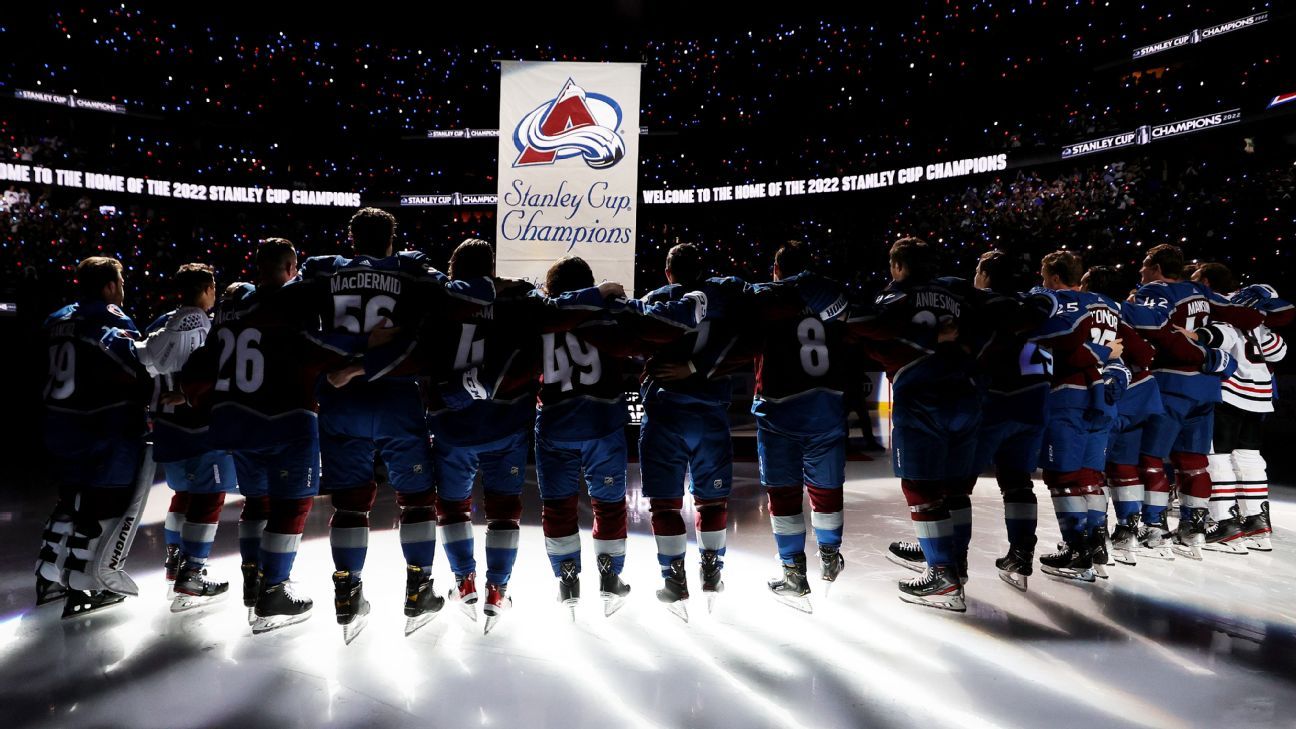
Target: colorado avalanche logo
point(574, 124)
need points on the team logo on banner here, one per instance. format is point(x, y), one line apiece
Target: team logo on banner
point(575, 123)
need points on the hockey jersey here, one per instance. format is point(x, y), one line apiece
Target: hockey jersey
point(1251, 386)
point(179, 431)
point(94, 377)
point(1016, 375)
point(1078, 333)
point(707, 349)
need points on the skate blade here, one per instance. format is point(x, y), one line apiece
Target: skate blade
point(79, 609)
point(491, 621)
point(170, 591)
point(914, 566)
point(183, 603)
point(1073, 575)
point(797, 603)
point(711, 598)
point(1124, 556)
point(1100, 570)
point(611, 603)
point(1258, 544)
point(952, 603)
point(1188, 551)
point(1164, 553)
point(1233, 547)
point(678, 609)
point(469, 609)
point(1018, 581)
point(353, 629)
point(418, 621)
point(274, 622)
point(251, 616)
point(49, 596)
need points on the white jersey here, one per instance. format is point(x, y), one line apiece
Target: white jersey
point(167, 348)
point(1251, 387)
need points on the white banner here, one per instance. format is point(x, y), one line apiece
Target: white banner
point(568, 168)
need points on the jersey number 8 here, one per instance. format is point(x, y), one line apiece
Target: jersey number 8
point(814, 347)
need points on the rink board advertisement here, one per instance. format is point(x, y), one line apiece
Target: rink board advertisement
point(568, 168)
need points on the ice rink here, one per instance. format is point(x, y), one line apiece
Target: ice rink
point(1177, 644)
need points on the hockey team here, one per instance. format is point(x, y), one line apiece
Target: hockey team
point(348, 372)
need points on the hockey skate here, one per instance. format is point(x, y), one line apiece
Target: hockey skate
point(611, 588)
point(497, 603)
point(465, 594)
point(674, 594)
point(1069, 563)
point(1124, 543)
point(1256, 530)
point(1155, 539)
point(278, 607)
point(908, 555)
point(251, 588)
point(421, 601)
point(832, 563)
point(82, 602)
point(938, 586)
point(171, 568)
point(793, 589)
point(569, 586)
point(1016, 567)
point(194, 590)
point(1098, 551)
point(48, 591)
point(1226, 535)
point(712, 577)
point(1190, 537)
point(349, 604)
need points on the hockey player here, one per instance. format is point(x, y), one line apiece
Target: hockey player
point(199, 476)
point(357, 296)
point(685, 429)
point(95, 399)
point(1081, 411)
point(260, 367)
point(914, 328)
point(800, 415)
point(1239, 485)
point(580, 426)
point(1182, 432)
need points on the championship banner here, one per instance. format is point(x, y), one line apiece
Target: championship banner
point(568, 168)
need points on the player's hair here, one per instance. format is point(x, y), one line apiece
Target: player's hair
point(568, 273)
point(473, 258)
point(684, 262)
point(1217, 276)
point(94, 273)
point(1169, 258)
point(372, 231)
point(918, 258)
point(1006, 273)
point(275, 253)
point(1066, 265)
point(792, 258)
point(237, 290)
point(192, 280)
point(1108, 281)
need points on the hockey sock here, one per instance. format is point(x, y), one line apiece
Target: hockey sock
point(826, 515)
point(199, 529)
point(282, 536)
point(1095, 499)
point(1224, 485)
point(610, 531)
point(1253, 480)
point(418, 527)
point(562, 539)
point(349, 527)
point(1021, 510)
point(1193, 477)
point(1126, 490)
point(668, 530)
point(711, 522)
point(252, 523)
point(175, 518)
point(1069, 504)
point(958, 499)
point(503, 512)
point(1156, 488)
point(931, 520)
point(788, 521)
point(454, 522)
